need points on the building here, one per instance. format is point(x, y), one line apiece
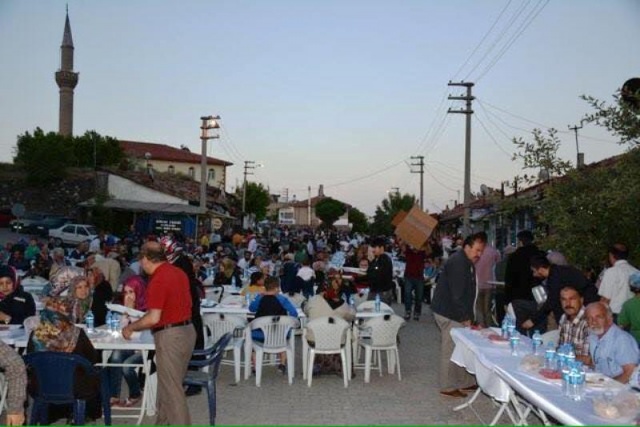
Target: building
point(67, 80)
point(303, 213)
point(175, 161)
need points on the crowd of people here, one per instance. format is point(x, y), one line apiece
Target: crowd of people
point(284, 270)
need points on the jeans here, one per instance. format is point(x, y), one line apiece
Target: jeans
point(129, 372)
point(417, 286)
point(385, 296)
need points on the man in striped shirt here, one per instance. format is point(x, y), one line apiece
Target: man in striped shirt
point(573, 323)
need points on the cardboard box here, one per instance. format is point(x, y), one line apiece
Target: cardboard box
point(398, 218)
point(416, 227)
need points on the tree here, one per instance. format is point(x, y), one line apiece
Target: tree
point(621, 118)
point(257, 200)
point(107, 150)
point(329, 210)
point(45, 157)
point(359, 221)
point(541, 154)
point(388, 209)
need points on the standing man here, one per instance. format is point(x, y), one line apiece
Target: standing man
point(413, 280)
point(614, 288)
point(380, 273)
point(518, 277)
point(485, 269)
point(169, 318)
point(453, 307)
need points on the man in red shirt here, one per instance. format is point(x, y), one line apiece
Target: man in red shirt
point(169, 318)
point(413, 280)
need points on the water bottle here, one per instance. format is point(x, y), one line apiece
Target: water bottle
point(511, 326)
point(536, 341)
point(109, 321)
point(561, 358)
point(549, 356)
point(514, 340)
point(233, 282)
point(247, 298)
point(377, 303)
point(352, 301)
point(89, 320)
point(570, 355)
point(505, 327)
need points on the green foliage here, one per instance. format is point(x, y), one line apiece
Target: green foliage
point(621, 118)
point(329, 210)
point(540, 155)
point(388, 209)
point(591, 208)
point(359, 221)
point(44, 157)
point(257, 200)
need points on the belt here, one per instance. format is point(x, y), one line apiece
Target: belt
point(170, 325)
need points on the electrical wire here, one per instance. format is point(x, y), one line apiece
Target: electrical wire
point(509, 155)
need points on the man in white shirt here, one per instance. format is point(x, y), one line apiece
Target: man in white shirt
point(614, 288)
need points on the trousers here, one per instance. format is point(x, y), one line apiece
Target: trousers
point(452, 376)
point(174, 347)
point(417, 286)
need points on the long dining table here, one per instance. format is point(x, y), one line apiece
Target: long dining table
point(519, 392)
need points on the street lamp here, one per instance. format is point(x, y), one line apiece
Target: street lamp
point(208, 123)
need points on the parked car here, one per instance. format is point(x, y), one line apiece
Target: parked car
point(41, 228)
point(18, 224)
point(6, 217)
point(72, 234)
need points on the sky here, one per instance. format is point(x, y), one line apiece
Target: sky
point(326, 92)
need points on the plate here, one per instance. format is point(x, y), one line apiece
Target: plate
point(98, 333)
point(207, 303)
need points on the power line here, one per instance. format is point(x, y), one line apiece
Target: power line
point(460, 170)
point(492, 138)
point(439, 182)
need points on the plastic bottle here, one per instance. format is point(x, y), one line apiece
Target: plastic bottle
point(377, 303)
point(570, 355)
point(549, 356)
point(536, 340)
point(505, 327)
point(511, 327)
point(352, 301)
point(247, 298)
point(577, 381)
point(514, 340)
point(89, 320)
point(233, 282)
point(109, 321)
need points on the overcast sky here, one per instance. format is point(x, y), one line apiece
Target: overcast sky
point(340, 93)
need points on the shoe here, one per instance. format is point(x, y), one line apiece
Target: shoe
point(453, 393)
point(469, 388)
point(416, 317)
point(407, 316)
point(133, 401)
point(282, 369)
point(192, 390)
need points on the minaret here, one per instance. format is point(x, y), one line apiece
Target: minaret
point(67, 81)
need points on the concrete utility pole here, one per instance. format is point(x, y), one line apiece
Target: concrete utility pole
point(208, 123)
point(309, 208)
point(420, 164)
point(580, 156)
point(467, 149)
point(248, 165)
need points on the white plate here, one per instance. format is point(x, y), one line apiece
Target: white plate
point(207, 303)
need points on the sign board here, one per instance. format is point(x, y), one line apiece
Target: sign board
point(216, 223)
point(416, 227)
point(398, 218)
point(164, 226)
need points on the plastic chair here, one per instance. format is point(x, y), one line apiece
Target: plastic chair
point(370, 305)
point(551, 336)
point(211, 359)
point(215, 326)
point(330, 336)
point(55, 373)
point(277, 339)
point(383, 337)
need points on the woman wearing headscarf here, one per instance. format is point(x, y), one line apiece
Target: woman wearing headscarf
point(61, 280)
point(135, 291)
point(15, 304)
point(56, 332)
point(80, 295)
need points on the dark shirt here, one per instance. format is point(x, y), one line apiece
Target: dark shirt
point(102, 294)
point(380, 274)
point(455, 294)
point(414, 263)
point(518, 277)
point(19, 305)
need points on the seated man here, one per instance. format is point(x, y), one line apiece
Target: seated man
point(613, 352)
point(573, 323)
point(629, 318)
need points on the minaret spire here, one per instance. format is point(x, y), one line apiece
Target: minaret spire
point(67, 80)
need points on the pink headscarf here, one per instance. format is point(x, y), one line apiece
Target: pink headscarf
point(139, 287)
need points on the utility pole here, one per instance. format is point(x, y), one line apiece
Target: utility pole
point(248, 165)
point(580, 156)
point(467, 149)
point(208, 123)
point(309, 207)
point(420, 164)
point(285, 195)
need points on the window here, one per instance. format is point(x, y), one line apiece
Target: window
point(212, 175)
point(171, 169)
point(192, 173)
point(69, 229)
point(82, 231)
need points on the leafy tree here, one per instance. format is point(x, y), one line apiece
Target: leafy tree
point(541, 154)
point(257, 200)
point(622, 118)
point(107, 150)
point(388, 209)
point(359, 221)
point(329, 210)
point(45, 157)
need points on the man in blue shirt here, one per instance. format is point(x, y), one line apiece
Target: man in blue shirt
point(613, 351)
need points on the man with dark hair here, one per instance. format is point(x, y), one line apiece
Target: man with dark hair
point(614, 288)
point(380, 273)
point(169, 318)
point(573, 323)
point(453, 306)
point(518, 278)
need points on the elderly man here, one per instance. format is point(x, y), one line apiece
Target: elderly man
point(613, 352)
point(573, 323)
point(614, 288)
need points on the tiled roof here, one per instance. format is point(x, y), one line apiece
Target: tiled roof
point(138, 149)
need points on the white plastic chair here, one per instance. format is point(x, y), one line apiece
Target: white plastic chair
point(213, 294)
point(370, 305)
point(383, 337)
point(278, 338)
point(551, 336)
point(330, 336)
point(359, 299)
point(215, 325)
